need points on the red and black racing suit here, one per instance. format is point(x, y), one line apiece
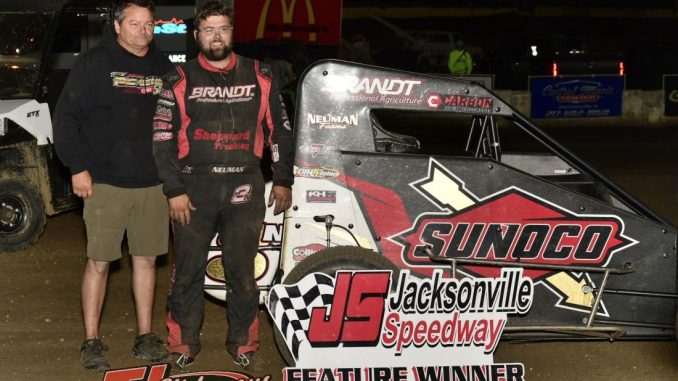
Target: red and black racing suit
point(209, 133)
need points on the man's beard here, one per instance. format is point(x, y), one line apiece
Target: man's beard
point(215, 54)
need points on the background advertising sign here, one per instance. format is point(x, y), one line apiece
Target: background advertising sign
point(173, 32)
point(576, 96)
point(671, 95)
point(311, 21)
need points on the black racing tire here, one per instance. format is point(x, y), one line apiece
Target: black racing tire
point(22, 214)
point(329, 261)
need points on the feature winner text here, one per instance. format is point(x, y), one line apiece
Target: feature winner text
point(491, 372)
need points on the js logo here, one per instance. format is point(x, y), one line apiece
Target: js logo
point(357, 311)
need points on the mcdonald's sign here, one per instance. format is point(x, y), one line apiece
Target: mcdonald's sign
point(311, 21)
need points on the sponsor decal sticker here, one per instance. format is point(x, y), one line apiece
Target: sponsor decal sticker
point(223, 170)
point(136, 83)
point(275, 153)
point(302, 252)
point(374, 90)
point(332, 122)
point(162, 136)
point(316, 149)
point(321, 196)
point(511, 225)
point(223, 94)
point(459, 103)
point(316, 172)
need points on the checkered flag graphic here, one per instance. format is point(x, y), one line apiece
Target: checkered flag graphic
point(291, 307)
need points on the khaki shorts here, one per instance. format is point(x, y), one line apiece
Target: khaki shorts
point(143, 212)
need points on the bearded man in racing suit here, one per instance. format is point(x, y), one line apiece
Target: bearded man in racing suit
point(213, 117)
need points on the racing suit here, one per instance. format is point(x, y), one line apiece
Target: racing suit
point(209, 133)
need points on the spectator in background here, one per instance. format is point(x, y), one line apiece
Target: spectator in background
point(460, 61)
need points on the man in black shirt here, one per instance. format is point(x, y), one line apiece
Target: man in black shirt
point(103, 133)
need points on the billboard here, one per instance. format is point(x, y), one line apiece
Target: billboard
point(173, 32)
point(576, 96)
point(311, 21)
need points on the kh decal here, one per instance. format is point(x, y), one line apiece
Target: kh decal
point(511, 225)
point(321, 196)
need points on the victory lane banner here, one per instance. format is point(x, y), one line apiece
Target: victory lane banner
point(358, 327)
point(161, 372)
point(311, 21)
point(576, 96)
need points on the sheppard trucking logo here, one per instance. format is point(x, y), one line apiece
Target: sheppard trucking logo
point(332, 122)
point(374, 90)
point(513, 226)
point(353, 328)
point(224, 94)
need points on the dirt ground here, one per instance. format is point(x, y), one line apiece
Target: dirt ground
point(40, 319)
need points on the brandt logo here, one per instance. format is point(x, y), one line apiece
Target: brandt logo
point(373, 86)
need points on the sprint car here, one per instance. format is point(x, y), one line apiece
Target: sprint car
point(369, 195)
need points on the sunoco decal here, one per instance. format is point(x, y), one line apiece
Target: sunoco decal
point(353, 328)
point(511, 225)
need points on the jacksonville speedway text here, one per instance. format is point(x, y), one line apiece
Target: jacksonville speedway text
point(491, 372)
point(510, 293)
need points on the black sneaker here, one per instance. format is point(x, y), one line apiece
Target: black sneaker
point(149, 347)
point(250, 361)
point(180, 360)
point(91, 357)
